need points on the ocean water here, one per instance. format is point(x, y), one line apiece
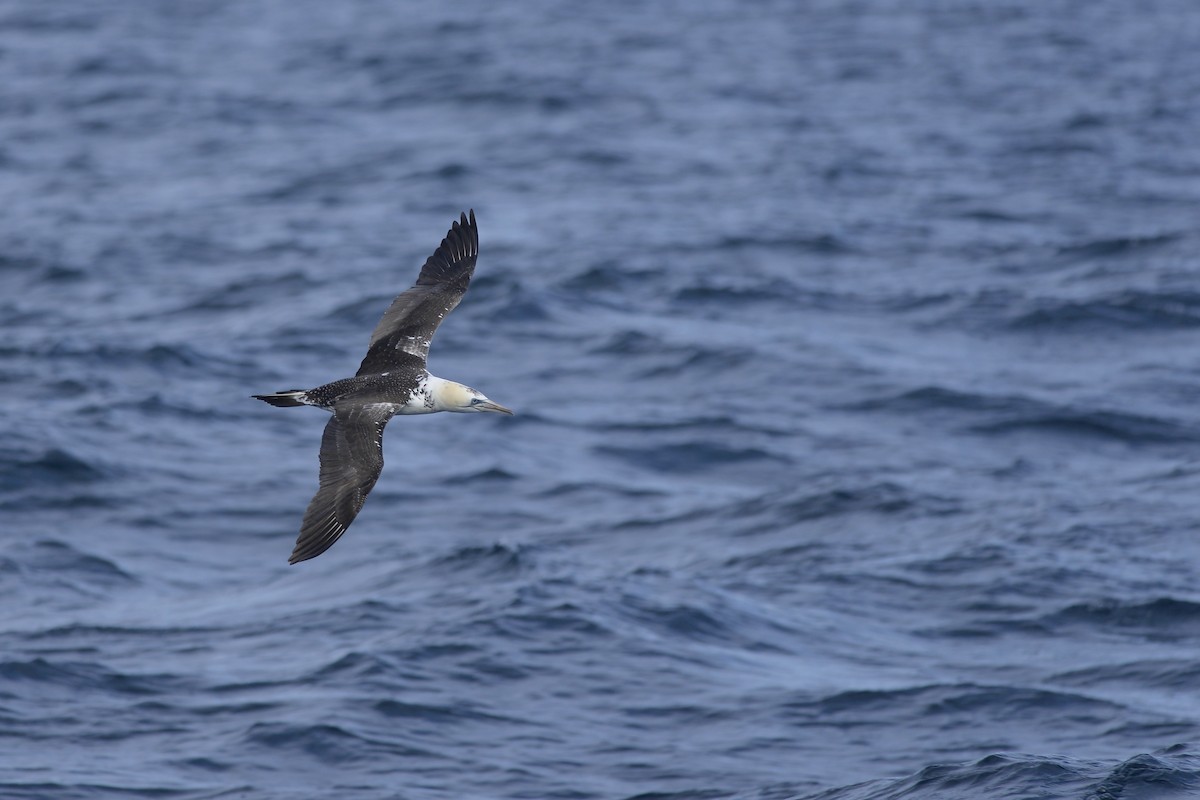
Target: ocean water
point(855, 349)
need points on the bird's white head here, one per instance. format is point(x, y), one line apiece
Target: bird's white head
point(451, 396)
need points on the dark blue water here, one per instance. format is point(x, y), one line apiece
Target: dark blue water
point(856, 354)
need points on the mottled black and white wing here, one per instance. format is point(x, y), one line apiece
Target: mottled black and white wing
point(410, 322)
point(351, 460)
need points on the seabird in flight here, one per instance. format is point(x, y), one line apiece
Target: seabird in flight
point(392, 379)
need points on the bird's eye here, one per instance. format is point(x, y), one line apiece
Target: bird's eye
point(475, 401)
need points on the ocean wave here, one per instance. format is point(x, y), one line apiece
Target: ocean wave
point(84, 675)
point(935, 703)
point(1174, 771)
point(96, 790)
point(361, 313)
point(776, 509)
point(654, 357)
point(688, 457)
point(999, 775)
point(1130, 309)
point(66, 564)
point(938, 398)
point(335, 745)
point(489, 475)
point(703, 421)
point(449, 714)
point(52, 466)
point(157, 405)
point(731, 294)
point(327, 182)
point(163, 359)
point(696, 361)
point(1114, 425)
point(1108, 246)
point(1164, 618)
point(636, 343)
point(557, 627)
point(600, 487)
point(248, 292)
point(1170, 674)
point(1007, 413)
point(79, 631)
point(1126, 309)
point(609, 276)
point(361, 667)
point(818, 243)
point(42, 20)
point(712, 620)
point(495, 560)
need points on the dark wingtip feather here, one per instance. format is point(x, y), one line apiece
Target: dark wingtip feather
point(460, 244)
point(463, 238)
point(309, 545)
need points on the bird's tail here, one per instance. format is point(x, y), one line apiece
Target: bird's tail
point(285, 399)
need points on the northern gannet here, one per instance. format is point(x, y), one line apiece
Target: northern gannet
point(392, 379)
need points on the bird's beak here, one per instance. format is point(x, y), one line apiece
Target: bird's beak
point(488, 405)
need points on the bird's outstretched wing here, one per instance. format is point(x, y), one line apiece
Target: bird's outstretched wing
point(409, 323)
point(351, 460)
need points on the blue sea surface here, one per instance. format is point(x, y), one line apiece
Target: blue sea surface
point(855, 350)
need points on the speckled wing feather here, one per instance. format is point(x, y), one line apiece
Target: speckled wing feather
point(351, 460)
point(410, 322)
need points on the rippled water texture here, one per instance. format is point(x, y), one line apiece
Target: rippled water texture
point(855, 349)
